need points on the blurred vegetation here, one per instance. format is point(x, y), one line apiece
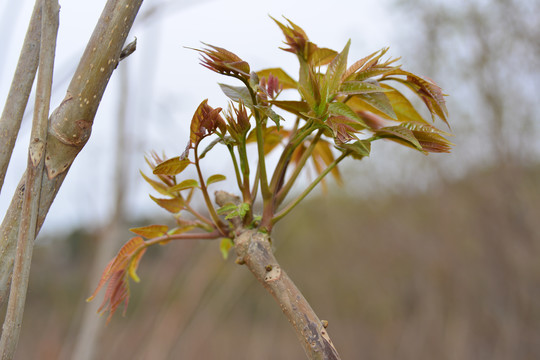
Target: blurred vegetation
point(449, 274)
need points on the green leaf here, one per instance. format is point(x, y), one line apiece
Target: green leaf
point(226, 209)
point(403, 108)
point(171, 167)
point(151, 231)
point(159, 187)
point(173, 206)
point(271, 114)
point(186, 184)
point(226, 140)
point(296, 107)
point(237, 93)
point(231, 210)
point(225, 246)
point(399, 133)
point(359, 87)
point(342, 109)
point(284, 79)
point(377, 103)
point(359, 149)
point(337, 68)
point(424, 127)
point(215, 178)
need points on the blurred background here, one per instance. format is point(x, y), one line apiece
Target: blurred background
point(416, 257)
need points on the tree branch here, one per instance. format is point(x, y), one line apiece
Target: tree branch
point(19, 92)
point(70, 123)
point(254, 249)
point(34, 173)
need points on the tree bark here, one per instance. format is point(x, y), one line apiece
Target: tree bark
point(71, 123)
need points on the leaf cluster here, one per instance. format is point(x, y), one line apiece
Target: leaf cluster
point(341, 110)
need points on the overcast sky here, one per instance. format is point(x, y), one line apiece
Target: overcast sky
point(167, 82)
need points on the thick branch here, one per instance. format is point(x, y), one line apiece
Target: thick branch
point(254, 249)
point(10, 121)
point(70, 123)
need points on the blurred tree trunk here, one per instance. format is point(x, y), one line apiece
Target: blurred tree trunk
point(86, 345)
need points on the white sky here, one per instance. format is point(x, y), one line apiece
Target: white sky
point(167, 82)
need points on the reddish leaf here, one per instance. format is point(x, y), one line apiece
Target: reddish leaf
point(432, 142)
point(343, 128)
point(206, 121)
point(224, 62)
point(426, 89)
point(116, 274)
point(295, 37)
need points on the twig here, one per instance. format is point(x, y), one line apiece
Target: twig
point(254, 249)
point(34, 173)
point(10, 121)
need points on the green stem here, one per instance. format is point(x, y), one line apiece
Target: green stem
point(235, 164)
point(305, 156)
point(286, 156)
point(265, 190)
point(255, 182)
point(296, 201)
point(244, 164)
point(204, 190)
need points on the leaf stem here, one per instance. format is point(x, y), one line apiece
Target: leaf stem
point(198, 215)
point(185, 236)
point(296, 201)
point(236, 169)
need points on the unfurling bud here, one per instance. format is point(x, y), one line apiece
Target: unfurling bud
point(206, 121)
point(224, 62)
